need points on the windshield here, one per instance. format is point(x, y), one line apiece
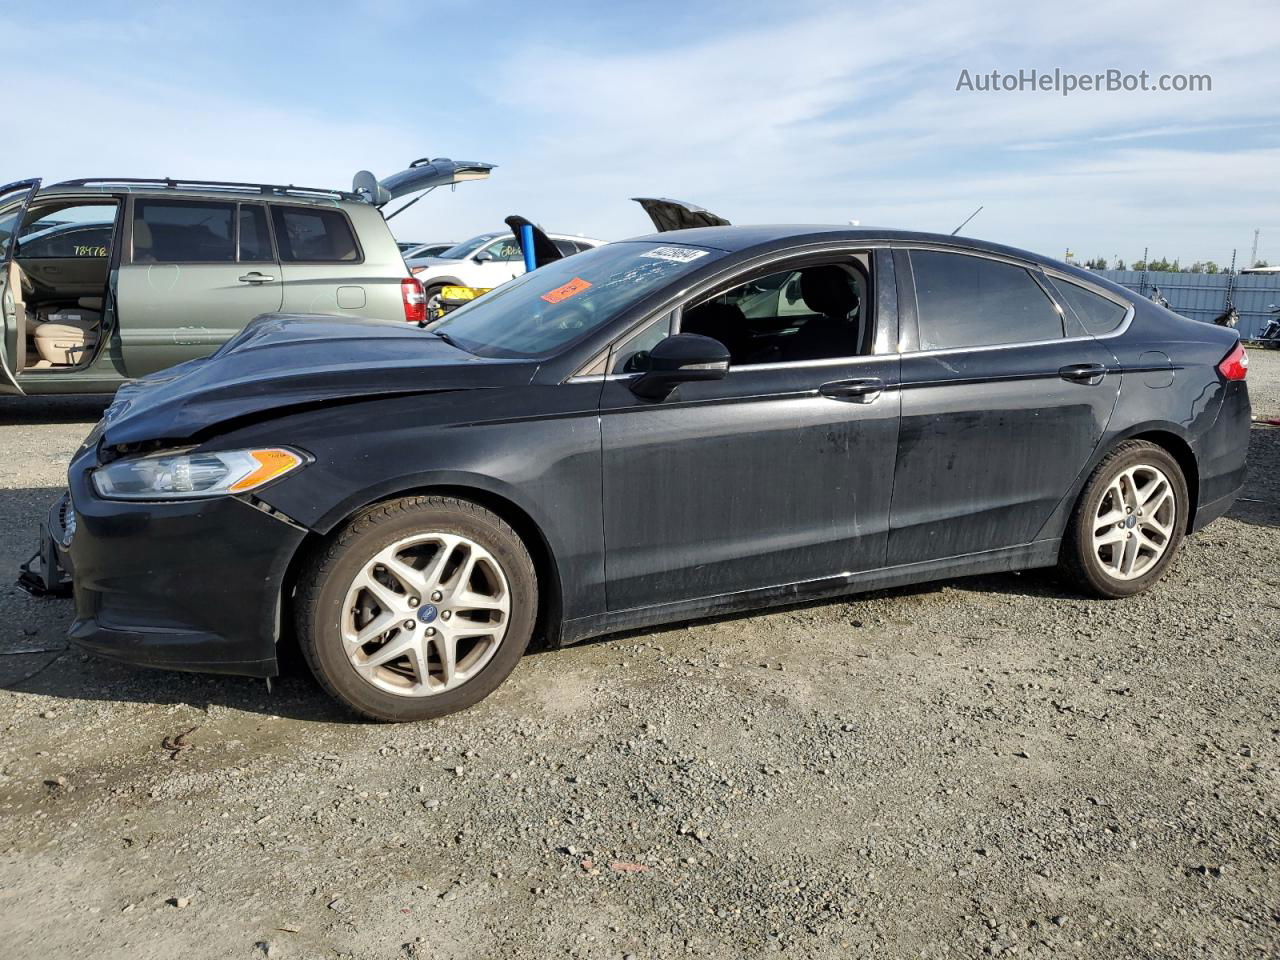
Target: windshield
point(460, 251)
point(543, 310)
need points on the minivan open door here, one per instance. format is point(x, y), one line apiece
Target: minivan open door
point(422, 175)
point(678, 215)
point(14, 200)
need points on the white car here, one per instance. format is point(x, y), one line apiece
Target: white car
point(484, 262)
point(419, 251)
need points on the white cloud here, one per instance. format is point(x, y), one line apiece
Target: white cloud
point(835, 113)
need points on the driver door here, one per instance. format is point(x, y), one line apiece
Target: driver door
point(14, 200)
point(778, 475)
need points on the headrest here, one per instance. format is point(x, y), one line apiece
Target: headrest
point(829, 290)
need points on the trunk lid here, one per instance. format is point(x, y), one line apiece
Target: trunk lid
point(420, 175)
point(669, 214)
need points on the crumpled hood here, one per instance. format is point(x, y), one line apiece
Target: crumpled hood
point(288, 360)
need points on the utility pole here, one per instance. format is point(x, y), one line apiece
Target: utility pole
point(1253, 257)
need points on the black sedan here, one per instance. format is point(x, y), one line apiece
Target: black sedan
point(677, 426)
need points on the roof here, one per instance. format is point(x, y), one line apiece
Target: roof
point(765, 237)
point(217, 188)
point(738, 238)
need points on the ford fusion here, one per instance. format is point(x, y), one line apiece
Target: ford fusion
point(677, 426)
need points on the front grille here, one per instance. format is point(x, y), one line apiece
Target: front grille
point(66, 520)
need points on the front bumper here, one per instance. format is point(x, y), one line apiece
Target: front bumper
point(181, 585)
point(48, 572)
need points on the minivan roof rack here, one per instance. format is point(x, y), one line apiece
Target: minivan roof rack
point(169, 183)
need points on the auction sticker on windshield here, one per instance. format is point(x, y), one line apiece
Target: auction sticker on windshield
point(570, 289)
point(675, 254)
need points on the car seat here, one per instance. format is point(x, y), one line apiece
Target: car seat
point(142, 242)
point(66, 336)
point(833, 330)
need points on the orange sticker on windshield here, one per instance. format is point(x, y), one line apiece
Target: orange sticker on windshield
point(570, 289)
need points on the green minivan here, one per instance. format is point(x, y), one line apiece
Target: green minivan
point(104, 280)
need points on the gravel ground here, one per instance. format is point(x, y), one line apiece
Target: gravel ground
point(989, 766)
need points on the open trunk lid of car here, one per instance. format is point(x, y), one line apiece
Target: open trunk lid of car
point(421, 175)
point(669, 214)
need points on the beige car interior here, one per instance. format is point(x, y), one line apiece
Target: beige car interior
point(59, 275)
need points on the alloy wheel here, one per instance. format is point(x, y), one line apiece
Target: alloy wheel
point(1134, 523)
point(425, 614)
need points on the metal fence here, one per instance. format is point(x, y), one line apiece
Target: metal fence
point(1202, 296)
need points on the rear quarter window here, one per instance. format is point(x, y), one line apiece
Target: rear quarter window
point(1098, 314)
point(306, 235)
point(968, 301)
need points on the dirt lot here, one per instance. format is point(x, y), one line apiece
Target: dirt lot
point(981, 767)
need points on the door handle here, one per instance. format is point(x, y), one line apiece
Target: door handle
point(854, 391)
point(1090, 373)
point(253, 276)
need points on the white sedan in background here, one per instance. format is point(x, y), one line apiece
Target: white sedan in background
point(483, 262)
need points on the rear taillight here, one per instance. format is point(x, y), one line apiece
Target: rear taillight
point(1235, 365)
point(415, 300)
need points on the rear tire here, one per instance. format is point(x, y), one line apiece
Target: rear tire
point(431, 297)
point(417, 608)
point(1129, 522)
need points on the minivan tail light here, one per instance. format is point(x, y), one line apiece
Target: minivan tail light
point(415, 300)
point(1235, 365)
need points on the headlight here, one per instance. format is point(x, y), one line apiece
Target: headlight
point(180, 476)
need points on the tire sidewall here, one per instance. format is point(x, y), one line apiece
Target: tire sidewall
point(478, 525)
point(1089, 564)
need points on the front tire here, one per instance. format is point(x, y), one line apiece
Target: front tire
point(417, 608)
point(1128, 523)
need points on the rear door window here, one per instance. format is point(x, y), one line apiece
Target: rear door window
point(306, 235)
point(183, 231)
point(255, 238)
point(1098, 314)
point(967, 301)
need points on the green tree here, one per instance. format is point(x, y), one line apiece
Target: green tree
point(1119, 264)
point(1211, 267)
point(1261, 263)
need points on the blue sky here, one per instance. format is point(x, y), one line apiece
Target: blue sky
point(779, 112)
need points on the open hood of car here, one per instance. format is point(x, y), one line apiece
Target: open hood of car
point(678, 215)
point(282, 361)
point(421, 175)
point(544, 249)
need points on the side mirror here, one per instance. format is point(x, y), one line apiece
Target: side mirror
point(684, 358)
point(484, 256)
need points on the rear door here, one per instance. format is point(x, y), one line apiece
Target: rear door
point(195, 272)
point(14, 200)
point(1004, 400)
